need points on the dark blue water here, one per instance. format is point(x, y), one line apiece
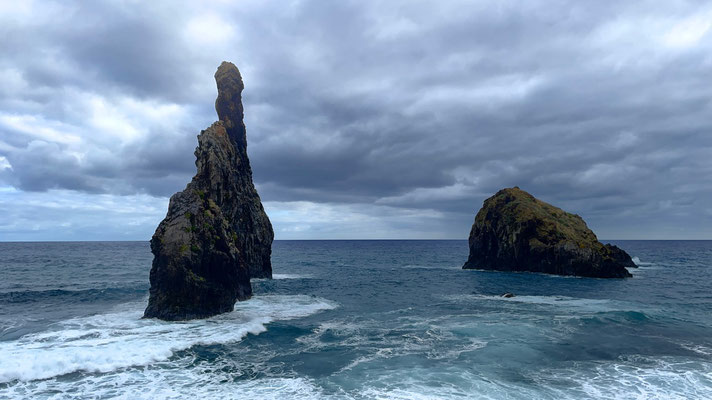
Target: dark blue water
point(359, 320)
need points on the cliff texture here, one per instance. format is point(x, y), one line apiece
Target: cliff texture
point(516, 232)
point(216, 235)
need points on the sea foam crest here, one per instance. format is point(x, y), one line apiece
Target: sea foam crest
point(640, 263)
point(290, 276)
point(120, 339)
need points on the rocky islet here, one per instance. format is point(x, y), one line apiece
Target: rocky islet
point(514, 231)
point(216, 234)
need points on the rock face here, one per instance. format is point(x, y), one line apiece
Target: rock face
point(621, 256)
point(247, 216)
point(516, 232)
point(216, 235)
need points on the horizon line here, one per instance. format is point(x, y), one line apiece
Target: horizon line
point(342, 240)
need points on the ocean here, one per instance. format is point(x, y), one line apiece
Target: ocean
point(358, 320)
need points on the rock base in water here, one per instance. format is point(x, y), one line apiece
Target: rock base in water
point(216, 234)
point(516, 232)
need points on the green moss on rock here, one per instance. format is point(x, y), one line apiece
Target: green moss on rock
point(514, 231)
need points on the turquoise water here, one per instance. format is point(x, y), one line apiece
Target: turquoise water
point(359, 320)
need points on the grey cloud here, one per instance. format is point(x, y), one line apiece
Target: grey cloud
point(411, 106)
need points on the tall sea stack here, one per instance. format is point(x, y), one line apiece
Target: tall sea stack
point(516, 232)
point(216, 235)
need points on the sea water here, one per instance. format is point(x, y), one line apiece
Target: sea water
point(358, 320)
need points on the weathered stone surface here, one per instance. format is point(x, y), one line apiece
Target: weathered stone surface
point(621, 256)
point(516, 232)
point(216, 234)
point(247, 216)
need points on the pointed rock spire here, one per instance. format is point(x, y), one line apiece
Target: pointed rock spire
point(229, 102)
point(216, 234)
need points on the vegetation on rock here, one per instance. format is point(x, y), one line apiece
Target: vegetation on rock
point(514, 231)
point(219, 217)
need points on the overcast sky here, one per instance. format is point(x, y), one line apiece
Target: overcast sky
point(365, 119)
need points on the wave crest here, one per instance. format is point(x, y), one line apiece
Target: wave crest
point(120, 339)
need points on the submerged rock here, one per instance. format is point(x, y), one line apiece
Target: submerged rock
point(216, 234)
point(516, 232)
point(508, 295)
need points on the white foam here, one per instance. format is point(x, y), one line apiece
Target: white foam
point(182, 378)
point(444, 383)
point(178, 383)
point(418, 266)
point(545, 300)
point(290, 276)
point(433, 338)
point(574, 307)
point(698, 348)
point(120, 339)
point(639, 263)
point(418, 392)
point(663, 379)
point(560, 301)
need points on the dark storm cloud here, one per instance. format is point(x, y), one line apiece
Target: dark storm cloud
point(376, 108)
point(102, 46)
